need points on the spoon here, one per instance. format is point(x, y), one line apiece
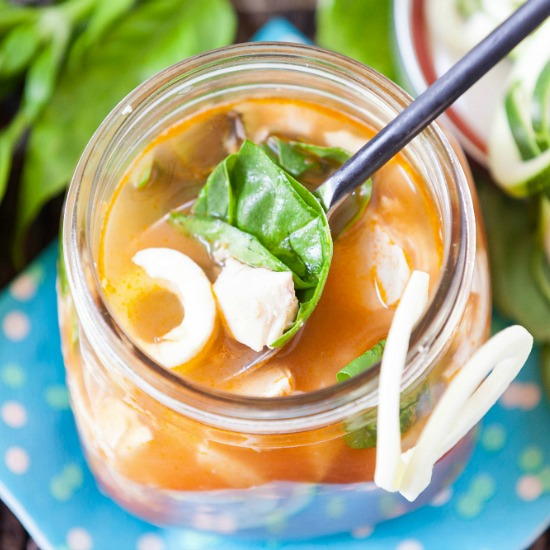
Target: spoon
point(421, 112)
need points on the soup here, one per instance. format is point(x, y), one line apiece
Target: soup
point(396, 232)
point(264, 407)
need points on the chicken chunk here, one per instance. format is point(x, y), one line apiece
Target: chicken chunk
point(258, 304)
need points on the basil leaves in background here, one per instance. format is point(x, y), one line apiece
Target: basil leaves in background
point(254, 197)
point(514, 245)
point(360, 29)
point(79, 58)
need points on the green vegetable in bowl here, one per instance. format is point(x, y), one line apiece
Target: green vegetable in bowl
point(298, 158)
point(265, 218)
point(362, 363)
point(519, 144)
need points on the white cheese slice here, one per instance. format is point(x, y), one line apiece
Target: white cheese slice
point(258, 304)
point(181, 275)
point(388, 445)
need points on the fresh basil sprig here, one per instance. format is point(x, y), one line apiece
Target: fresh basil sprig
point(248, 191)
point(78, 59)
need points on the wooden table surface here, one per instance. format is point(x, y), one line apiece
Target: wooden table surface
point(252, 15)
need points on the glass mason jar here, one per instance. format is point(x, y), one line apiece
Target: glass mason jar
point(298, 466)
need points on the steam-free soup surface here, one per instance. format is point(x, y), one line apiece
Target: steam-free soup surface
point(397, 232)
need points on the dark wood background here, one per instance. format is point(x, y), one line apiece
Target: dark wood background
point(252, 15)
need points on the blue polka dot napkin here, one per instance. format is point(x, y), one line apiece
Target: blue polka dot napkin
point(501, 502)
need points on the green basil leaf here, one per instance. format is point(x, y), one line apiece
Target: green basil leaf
point(43, 72)
point(272, 206)
point(12, 15)
point(336, 154)
point(216, 197)
point(220, 235)
point(105, 14)
point(266, 202)
point(362, 363)
point(297, 157)
point(156, 34)
point(362, 431)
point(6, 147)
point(513, 240)
point(18, 48)
point(360, 29)
point(141, 174)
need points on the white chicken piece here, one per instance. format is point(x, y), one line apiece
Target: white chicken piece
point(265, 382)
point(118, 428)
point(391, 268)
point(344, 139)
point(181, 275)
point(258, 304)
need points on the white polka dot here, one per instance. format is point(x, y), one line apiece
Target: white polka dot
point(520, 395)
point(362, 532)
point(79, 539)
point(23, 288)
point(150, 542)
point(442, 497)
point(528, 487)
point(16, 326)
point(13, 414)
point(226, 524)
point(409, 544)
point(17, 460)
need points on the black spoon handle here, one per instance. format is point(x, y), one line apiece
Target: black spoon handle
point(432, 102)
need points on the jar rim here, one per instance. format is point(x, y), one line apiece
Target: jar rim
point(245, 413)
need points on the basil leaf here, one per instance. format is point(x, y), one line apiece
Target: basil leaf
point(513, 241)
point(18, 48)
point(362, 431)
point(260, 198)
point(12, 15)
point(240, 245)
point(297, 157)
point(124, 57)
point(104, 14)
point(363, 362)
point(358, 29)
point(43, 72)
point(216, 197)
point(252, 193)
point(6, 146)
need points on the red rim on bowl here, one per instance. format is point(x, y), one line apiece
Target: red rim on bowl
point(417, 69)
